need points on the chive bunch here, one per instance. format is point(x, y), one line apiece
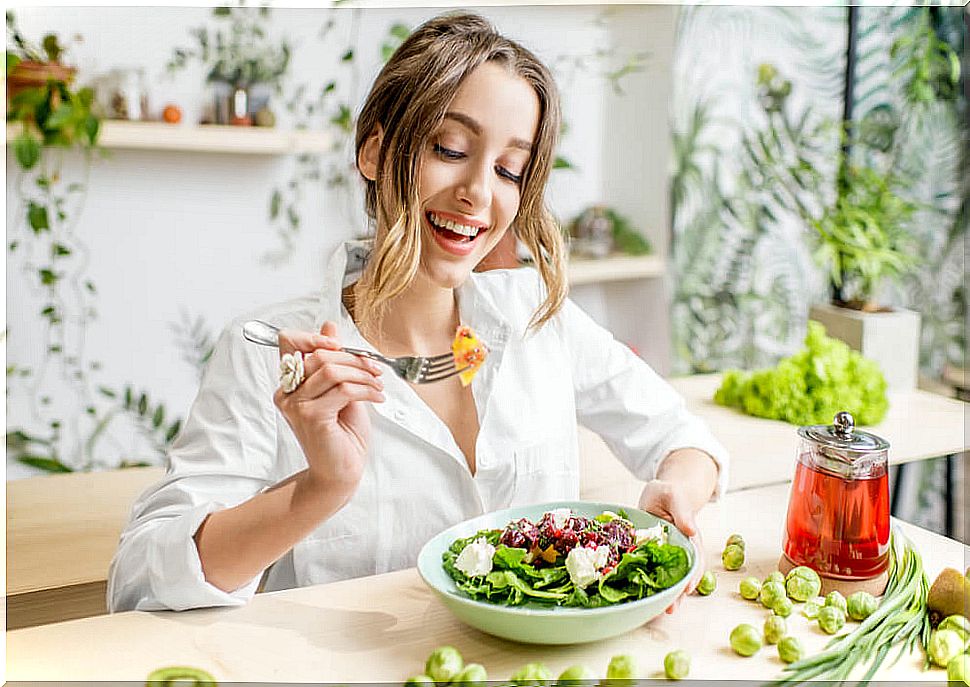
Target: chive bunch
point(901, 619)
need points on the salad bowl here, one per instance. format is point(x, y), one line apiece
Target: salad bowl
point(537, 623)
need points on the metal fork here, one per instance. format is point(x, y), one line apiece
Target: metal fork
point(416, 369)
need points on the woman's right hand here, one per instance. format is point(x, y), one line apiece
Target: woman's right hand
point(327, 412)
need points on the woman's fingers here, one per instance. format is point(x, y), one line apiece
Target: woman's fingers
point(292, 340)
point(328, 374)
point(321, 358)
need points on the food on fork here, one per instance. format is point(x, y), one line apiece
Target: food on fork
point(469, 353)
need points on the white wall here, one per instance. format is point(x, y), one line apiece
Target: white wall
point(183, 232)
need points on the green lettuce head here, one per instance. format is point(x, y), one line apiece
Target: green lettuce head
point(809, 387)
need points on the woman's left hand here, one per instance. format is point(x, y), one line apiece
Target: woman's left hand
point(665, 500)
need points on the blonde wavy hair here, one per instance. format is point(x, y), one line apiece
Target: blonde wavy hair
point(408, 101)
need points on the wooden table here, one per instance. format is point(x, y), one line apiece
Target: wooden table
point(382, 628)
point(62, 531)
point(919, 425)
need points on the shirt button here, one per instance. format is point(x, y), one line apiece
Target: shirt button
point(400, 415)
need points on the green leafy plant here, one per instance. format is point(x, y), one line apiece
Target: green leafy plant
point(861, 230)
point(811, 386)
point(49, 111)
point(863, 237)
point(52, 117)
point(930, 66)
point(238, 52)
point(625, 237)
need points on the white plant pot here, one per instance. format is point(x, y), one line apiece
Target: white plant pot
point(889, 338)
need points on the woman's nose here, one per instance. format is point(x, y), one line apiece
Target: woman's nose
point(473, 188)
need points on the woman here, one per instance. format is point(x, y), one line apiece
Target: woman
point(349, 471)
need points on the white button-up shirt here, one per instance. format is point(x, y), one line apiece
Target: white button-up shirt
point(530, 393)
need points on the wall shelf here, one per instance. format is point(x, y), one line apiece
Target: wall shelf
point(207, 138)
point(615, 268)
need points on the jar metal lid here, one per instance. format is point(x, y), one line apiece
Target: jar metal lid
point(843, 435)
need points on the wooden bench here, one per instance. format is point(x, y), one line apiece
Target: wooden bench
point(62, 531)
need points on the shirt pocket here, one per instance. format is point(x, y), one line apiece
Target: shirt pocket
point(545, 471)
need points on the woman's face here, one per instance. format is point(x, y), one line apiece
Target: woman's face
point(471, 171)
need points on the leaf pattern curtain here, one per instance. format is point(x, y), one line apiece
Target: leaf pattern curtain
point(743, 262)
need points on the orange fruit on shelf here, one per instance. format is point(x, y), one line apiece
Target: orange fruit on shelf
point(172, 114)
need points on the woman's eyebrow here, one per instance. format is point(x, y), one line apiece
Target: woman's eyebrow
point(476, 128)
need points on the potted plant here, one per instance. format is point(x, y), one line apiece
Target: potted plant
point(863, 238)
point(239, 61)
point(860, 229)
point(31, 66)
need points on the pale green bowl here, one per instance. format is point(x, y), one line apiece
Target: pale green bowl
point(534, 623)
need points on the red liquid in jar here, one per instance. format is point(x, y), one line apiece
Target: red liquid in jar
point(839, 526)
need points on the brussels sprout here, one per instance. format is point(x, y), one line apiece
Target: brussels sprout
point(576, 675)
point(958, 669)
point(836, 599)
point(770, 594)
point(622, 667)
point(810, 610)
point(677, 664)
point(420, 681)
point(532, 674)
point(802, 583)
point(831, 619)
point(745, 640)
point(790, 649)
point(473, 675)
point(732, 557)
point(958, 624)
point(783, 607)
point(944, 646)
point(775, 629)
point(775, 576)
point(861, 605)
point(188, 675)
point(443, 664)
point(708, 583)
point(735, 540)
point(750, 588)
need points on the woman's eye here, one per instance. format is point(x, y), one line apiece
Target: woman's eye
point(448, 153)
point(506, 174)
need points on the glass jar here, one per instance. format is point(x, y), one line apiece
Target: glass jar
point(838, 511)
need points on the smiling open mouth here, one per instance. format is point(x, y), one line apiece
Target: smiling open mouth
point(454, 231)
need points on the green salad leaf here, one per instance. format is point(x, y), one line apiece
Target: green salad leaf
point(811, 386)
point(646, 570)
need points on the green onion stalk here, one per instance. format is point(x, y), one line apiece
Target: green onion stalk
point(901, 620)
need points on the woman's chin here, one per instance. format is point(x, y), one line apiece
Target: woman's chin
point(448, 275)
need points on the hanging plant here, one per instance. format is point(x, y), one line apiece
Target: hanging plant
point(53, 119)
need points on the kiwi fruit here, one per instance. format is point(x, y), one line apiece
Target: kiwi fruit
point(949, 595)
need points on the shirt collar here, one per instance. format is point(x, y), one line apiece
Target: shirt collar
point(476, 310)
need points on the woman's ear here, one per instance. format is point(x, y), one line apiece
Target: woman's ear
point(369, 154)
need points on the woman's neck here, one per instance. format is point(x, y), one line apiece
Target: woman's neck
point(420, 321)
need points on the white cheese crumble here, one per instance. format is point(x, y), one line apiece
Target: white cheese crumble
point(560, 517)
point(656, 532)
point(584, 565)
point(476, 558)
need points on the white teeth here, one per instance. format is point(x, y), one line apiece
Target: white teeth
point(462, 229)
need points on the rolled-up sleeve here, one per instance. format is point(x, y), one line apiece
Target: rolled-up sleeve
point(223, 456)
point(634, 410)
